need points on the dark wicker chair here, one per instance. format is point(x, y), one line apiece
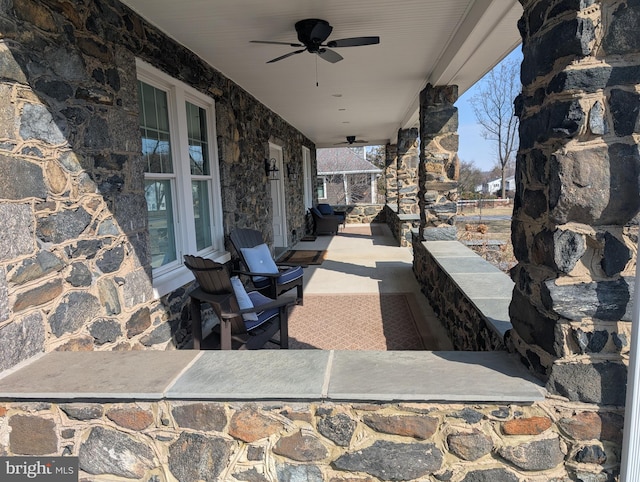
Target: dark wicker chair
point(272, 282)
point(325, 223)
point(249, 328)
point(325, 209)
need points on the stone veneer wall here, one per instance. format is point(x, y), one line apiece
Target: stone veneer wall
point(408, 161)
point(465, 324)
point(362, 213)
point(393, 221)
point(552, 440)
point(74, 259)
point(575, 219)
point(402, 226)
point(439, 164)
point(391, 174)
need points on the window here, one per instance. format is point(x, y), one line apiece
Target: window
point(321, 187)
point(181, 176)
point(308, 178)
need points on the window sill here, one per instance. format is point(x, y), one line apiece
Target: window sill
point(174, 279)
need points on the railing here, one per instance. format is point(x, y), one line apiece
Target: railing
point(473, 204)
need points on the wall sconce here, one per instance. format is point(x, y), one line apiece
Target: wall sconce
point(291, 173)
point(271, 169)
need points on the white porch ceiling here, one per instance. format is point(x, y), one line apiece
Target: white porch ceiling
point(372, 92)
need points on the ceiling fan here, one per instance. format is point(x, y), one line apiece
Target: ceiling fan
point(312, 32)
point(352, 140)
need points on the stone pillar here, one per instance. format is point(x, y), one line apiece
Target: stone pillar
point(408, 171)
point(391, 176)
point(438, 162)
point(574, 228)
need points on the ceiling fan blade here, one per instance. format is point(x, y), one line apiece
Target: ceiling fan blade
point(275, 43)
point(330, 55)
point(353, 42)
point(286, 55)
point(351, 141)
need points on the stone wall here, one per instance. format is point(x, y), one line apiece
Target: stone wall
point(408, 160)
point(439, 163)
point(74, 258)
point(552, 440)
point(574, 228)
point(363, 213)
point(466, 325)
point(402, 226)
point(391, 174)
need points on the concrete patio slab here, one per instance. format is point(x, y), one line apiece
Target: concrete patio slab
point(266, 374)
point(107, 375)
point(431, 376)
point(367, 259)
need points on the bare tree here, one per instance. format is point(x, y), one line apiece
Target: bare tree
point(348, 188)
point(495, 112)
point(377, 155)
point(470, 177)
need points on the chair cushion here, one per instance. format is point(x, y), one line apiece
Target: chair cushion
point(314, 210)
point(288, 274)
point(263, 316)
point(244, 301)
point(259, 259)
point(325, 208)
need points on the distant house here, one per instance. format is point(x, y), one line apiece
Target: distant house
point(495, 186)
point(346, 177)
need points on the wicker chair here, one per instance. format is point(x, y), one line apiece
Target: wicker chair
point(325, 223)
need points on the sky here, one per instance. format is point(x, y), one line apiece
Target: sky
point(473, 147)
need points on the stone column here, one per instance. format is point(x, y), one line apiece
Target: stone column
point(574, 228)
point(391, 176)
point(407, 171)
point(438, 162)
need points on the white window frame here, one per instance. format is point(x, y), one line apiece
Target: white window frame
point(308, 178)
point(324, 186)
point(173, 275)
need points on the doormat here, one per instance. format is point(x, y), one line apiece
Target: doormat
point(303, 257)
point(354, 322)
point(309, 237)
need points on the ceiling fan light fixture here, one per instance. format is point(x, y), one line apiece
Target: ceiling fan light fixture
point(312, 32)
point(351, 140)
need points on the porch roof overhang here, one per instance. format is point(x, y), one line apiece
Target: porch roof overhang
point(375, 90)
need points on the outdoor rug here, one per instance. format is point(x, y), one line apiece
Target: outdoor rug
point(303, 257)
point(354, 322)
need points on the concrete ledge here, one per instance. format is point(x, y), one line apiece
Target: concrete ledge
point(484, 285)
point(410, 376)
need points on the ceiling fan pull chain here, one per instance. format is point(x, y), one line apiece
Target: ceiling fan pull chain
point(317, 84)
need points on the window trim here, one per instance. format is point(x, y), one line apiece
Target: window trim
point(324, 187)
point(308, 178)
point(172, 276)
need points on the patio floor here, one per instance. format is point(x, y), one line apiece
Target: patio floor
point(364, 296)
